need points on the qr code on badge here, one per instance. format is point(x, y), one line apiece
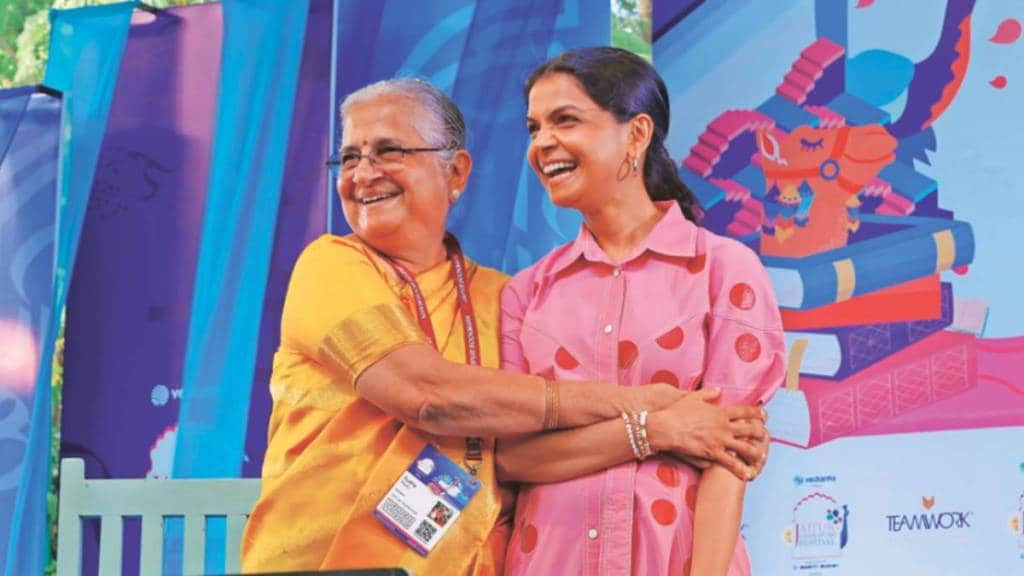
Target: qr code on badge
point(425, 531)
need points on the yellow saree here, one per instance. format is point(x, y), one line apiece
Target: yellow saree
point(331, 456)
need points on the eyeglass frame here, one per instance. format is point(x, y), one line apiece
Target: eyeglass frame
point(335, 163)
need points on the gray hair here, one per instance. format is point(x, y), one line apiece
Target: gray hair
point(441, 126)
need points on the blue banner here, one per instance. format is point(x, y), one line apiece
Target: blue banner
point(29, 136)
point(85, 55)
point(261, 54)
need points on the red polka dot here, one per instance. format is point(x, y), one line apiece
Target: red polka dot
point(668, 474)
point(691, 497)
point(696, 264)
point(528, 539)
point(672, 339)
point(565, 360)
point(961, 270)
point(664, 512)
point(742, 296)
point(664, 377)
point(627, 354)
point(748, 347)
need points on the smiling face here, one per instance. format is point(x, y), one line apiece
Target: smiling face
point(402, 203)
point(576, 148)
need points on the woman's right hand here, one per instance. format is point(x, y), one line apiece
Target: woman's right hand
point(693, 428)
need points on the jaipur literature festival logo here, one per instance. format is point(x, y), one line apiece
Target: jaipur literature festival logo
point(819, 532)
point(1017, 524)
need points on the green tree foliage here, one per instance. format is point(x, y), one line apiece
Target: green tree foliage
point(12, 19)
point(631, 26)
point(25, 35)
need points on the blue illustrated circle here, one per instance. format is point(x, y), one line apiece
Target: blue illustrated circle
point(829, 170)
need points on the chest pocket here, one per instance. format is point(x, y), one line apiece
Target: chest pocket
point(674, 354)
point(546, 356)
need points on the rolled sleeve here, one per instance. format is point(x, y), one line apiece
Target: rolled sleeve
point(746, 355)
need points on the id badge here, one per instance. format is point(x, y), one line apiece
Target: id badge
point(427, 500)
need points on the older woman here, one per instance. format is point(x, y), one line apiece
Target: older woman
point(386, 376)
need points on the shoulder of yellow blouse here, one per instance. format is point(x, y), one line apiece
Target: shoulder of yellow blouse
point(348, 242)
point(335, 252)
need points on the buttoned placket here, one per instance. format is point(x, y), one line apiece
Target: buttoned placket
point(609, 509)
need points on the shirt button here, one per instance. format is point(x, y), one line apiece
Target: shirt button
point(592, 533)
point(608, 328)
point(616, 272)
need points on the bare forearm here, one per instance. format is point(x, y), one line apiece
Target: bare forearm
point(564, 454)
point(417, 386)
point(716, 524)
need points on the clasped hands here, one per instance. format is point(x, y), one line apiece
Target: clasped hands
point(691, 427)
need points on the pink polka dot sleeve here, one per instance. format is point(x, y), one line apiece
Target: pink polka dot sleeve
point(746, 354)
point(514, 301)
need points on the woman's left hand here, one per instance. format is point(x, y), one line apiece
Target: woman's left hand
point(761, 445)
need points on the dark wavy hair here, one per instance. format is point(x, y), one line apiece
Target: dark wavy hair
point(626, 85)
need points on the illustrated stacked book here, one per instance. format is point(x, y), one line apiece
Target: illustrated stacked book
point(869, 326)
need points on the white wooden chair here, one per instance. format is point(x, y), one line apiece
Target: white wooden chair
point(152, 500)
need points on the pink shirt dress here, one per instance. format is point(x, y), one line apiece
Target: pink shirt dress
point(687, 306)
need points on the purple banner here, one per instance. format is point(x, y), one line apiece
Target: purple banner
point(128, 305)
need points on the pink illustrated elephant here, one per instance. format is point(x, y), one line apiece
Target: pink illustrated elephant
point(812, 176)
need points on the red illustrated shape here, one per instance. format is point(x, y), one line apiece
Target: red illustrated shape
point(748, 347)
point(627, 354)
point(672, 339)
point(664, 512)
point(999, 82)
point(668, 474)
point(742, 296)
point(565, 360)
point(1008, 32)
point(864, 3)
point(664, 377)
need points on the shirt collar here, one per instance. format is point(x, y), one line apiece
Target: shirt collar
point(673, 235)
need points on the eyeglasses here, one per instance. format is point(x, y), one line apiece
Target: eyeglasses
point(383, 158)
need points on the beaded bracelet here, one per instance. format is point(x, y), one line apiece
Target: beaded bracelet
point(640, 421)
point(632, 436)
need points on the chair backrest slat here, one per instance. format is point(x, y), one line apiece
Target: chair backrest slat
point(233, 541)
point(151, 547)
point(69, 524)
point(111, 536)
point(152, 499)
point(195, 541)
